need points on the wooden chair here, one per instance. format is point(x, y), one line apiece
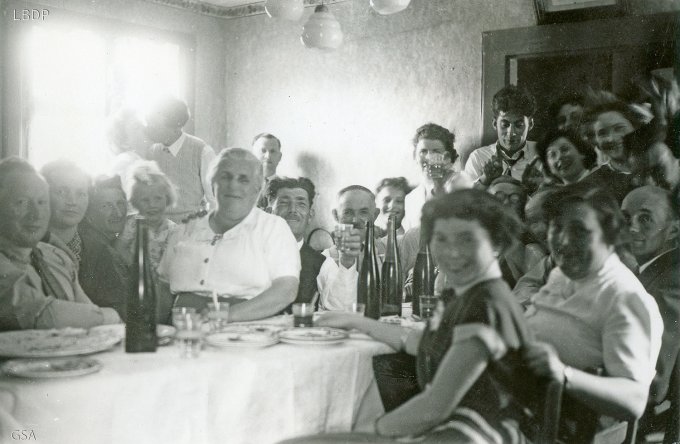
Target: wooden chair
point(582, 422)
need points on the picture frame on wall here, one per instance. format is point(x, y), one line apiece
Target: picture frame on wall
point(562, 11)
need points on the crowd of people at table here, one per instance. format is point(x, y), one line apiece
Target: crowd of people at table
point(557, 259)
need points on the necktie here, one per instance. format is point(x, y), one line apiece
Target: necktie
point(508, 161)
point(50, 284)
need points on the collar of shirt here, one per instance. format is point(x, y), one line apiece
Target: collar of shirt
point(300, 244)
point(511, 160)
point(13, 252)
point(204, 233)
point(177, 144)
point(646, 265)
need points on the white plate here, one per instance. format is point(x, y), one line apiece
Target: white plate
point(51, 368)
point(57, 343)
point(313, 335)
point(241, 339)
point(255, 328)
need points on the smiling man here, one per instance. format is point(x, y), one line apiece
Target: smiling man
point(653, 227)
point(513, 111)
point(292, 199)
point(390, 195)
point(38, 284)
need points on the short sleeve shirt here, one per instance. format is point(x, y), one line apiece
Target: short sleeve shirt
point(607, 320)
point(242, 262)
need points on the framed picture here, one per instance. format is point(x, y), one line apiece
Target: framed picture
point(561, 11)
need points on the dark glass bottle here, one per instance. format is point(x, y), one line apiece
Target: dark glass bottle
point(140, 328)
point(423, 275)
point(392, 281)
point(368, 284)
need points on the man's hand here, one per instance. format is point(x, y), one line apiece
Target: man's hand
point(492, 170)
point(350, 248)
point(543, 360)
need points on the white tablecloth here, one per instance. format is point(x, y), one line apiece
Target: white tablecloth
point(225, 396)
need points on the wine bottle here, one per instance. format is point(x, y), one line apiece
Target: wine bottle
point(140, 327)
point(392, 281)
point(423, 275)
point(368, 284)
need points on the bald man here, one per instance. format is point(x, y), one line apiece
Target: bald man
point(653, 225)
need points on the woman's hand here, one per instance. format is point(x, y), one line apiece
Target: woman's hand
point(543, 360)
point(337, 319)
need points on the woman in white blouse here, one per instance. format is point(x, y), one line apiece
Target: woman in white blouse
point(248, 257)
point(593, 312)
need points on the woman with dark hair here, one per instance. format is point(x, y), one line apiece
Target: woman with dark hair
point(469, 365)
point(593, 313)
point(565, 156)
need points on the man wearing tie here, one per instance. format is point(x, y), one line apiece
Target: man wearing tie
point(184, 158)
point(513, 111)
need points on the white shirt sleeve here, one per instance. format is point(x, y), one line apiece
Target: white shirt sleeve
point(473, 166)
point(282, 254)
point(337, 285)
point(207, 157)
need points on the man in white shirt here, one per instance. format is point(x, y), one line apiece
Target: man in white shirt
point(355, 205)
point(653, 226)
point(184, 158)
point(429, 141)
point(513, 111)
point(292, 199)
point(267, 148)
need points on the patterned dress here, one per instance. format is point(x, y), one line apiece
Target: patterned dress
point(493, 408)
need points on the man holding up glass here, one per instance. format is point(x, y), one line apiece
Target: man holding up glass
point(355, 206)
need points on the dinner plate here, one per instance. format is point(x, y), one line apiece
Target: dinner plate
point(51, 368)
point(239, 337)
point(57, 342)
point(313, 336)
point(255, 328)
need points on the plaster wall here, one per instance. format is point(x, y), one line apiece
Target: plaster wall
point(347, 117)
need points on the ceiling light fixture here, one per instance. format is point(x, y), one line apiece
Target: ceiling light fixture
point(322, 30)
point(386, 7)
point(285, 9)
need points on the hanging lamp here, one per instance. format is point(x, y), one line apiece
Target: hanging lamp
point(285, 9)
point(386, 7)
point(322, 30)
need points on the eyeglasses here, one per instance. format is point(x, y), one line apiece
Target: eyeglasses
point(513, 197)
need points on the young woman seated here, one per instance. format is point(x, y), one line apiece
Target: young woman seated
point(469, 357)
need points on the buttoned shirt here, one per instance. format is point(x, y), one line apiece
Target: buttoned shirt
point(474, 167)
point(242, 262)
point(604, 320)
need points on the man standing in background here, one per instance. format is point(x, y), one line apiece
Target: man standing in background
point(184, 158)
point(267, 148)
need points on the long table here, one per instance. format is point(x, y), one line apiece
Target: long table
point(232, 395)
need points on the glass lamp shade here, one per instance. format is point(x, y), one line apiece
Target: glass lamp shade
point(386, 7)
point(322, 30)
point(285, 9)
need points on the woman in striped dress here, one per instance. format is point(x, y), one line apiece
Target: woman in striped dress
point(474, 386)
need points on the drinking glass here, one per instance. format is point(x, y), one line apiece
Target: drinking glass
point(357, 308)
point(428, 304)
point(189, 335)
point(342, 232)
point(303, 314)
point(179, 316)
point(436, 165)
point(218, 317)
